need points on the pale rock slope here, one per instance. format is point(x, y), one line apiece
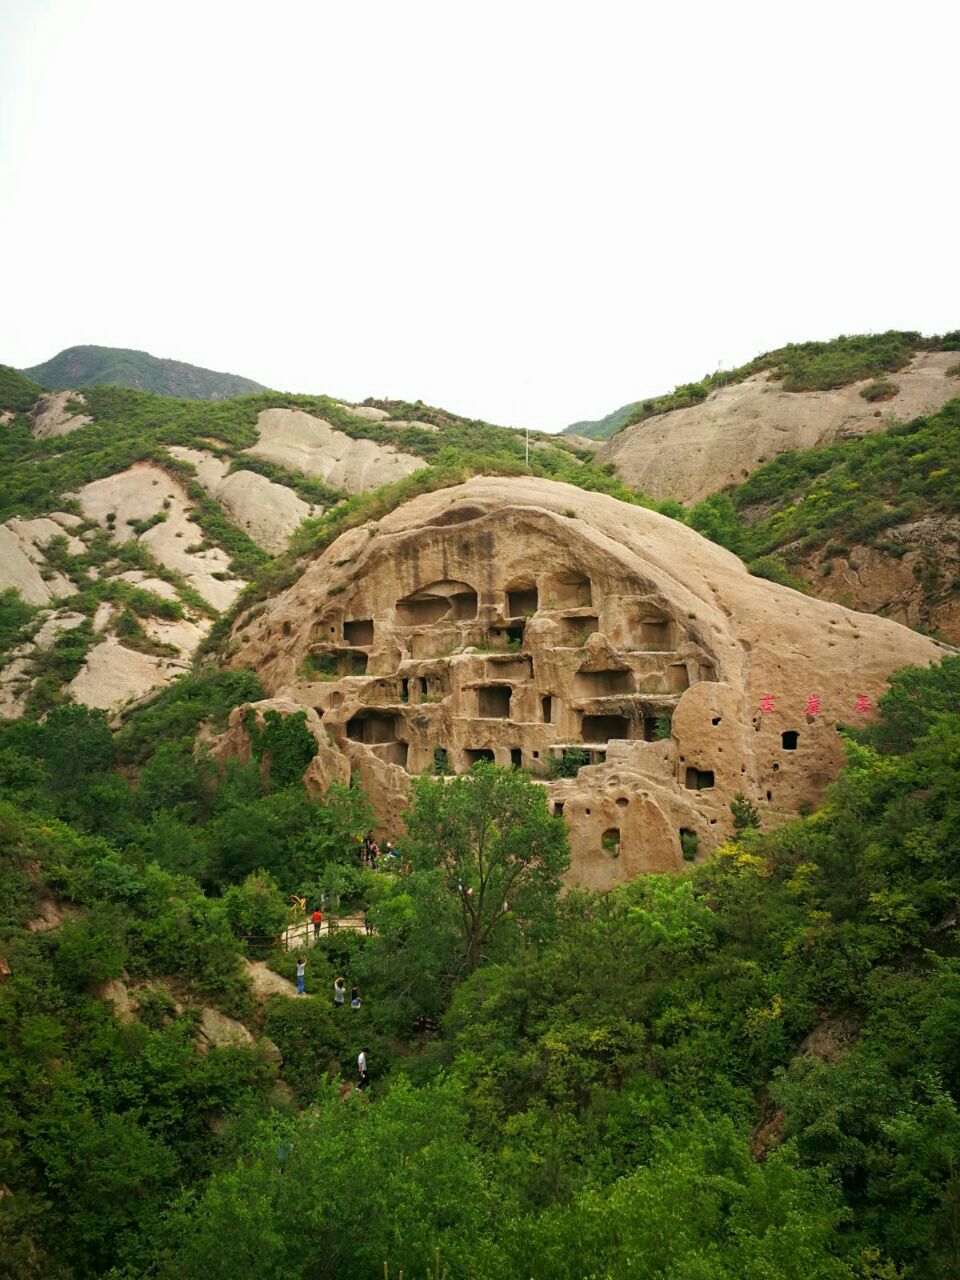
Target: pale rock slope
point(301, 442)
point(691, 453)
point(267, 511)
point(143, 492)
point(51, 417)
point(518, 619)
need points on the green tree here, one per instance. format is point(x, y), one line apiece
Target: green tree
point(501, 853)
point(745, 814)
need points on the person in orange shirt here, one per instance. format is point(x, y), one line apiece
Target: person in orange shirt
point(317, 919)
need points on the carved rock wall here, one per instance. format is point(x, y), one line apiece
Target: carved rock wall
point(523, 620)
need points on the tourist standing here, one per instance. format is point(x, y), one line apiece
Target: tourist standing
point(301, 975)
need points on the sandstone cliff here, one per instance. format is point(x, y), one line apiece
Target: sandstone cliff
point(526, 621)
point(693, 452)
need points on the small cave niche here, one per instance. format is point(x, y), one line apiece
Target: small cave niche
point(473, 755)
point(393, 753)
point(789, 739)
point(715, 720)
point(656, 633)
point(677, 678)
point(509, 668)
point(424, 686)
point(699, 779)
point(371, 728)
point(546, 708)
point(603, 728)
point(516, 757)
point(708, 672)
point(358, 631)
point(558, 808)
point(287, 628)
point(439, 600)
point(523, 599)
point(622, 802)
point(405, 690)
point(567, 589)
point(603, 684)
point(326, 664)
point(769, 796)
point(507, 637)
point(493, 702)
point(336, 700)
point(574, 632)
point(610, 842)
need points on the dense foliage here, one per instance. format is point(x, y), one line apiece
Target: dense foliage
point(749, 1070)
point(17, 393)
point(89, 366)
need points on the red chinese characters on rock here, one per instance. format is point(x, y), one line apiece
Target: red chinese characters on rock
point(813, 705)
point(767, 704)
point(862, 704)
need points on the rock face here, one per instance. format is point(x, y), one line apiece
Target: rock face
point(913, 584)
point(268, 512)
point(693, 452)
point(304, 443)
point(521, 619)
point(145, 492)
point(50, 416)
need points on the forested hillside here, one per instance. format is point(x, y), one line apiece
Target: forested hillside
point(751, 1067)
point(88, 366)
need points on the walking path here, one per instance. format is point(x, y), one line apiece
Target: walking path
point(300, 935)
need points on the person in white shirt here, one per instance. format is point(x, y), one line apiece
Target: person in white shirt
point(362, 1069)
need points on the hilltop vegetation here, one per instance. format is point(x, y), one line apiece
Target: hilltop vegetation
point(752, 1064)
point(800, 366)
point(17, 393)
point(90, 366)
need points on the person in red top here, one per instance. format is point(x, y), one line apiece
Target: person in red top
point(317, 919)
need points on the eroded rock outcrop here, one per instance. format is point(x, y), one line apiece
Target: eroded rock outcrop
point(524, 620)
point(55, 415)
point(691, 453)
point(298, 440)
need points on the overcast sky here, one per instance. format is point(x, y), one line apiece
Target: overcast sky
point(526, 212)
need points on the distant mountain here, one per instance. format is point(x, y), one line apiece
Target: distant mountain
point(602, 428)
point(97, 366)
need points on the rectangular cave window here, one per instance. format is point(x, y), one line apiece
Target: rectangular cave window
point(372, 729)
point(476, 754)
point(603, 728)
point(656, 634)
point(394, 753)
point(424, 687)
point(522, 601)
point(422, 613)
point(464, 605)
point(603, 684)
point(677, 678)
point(546, 707)
point(404, 690)
point(575, 632)
point(790, 738)
point(699, 779)
point(359, 631)
point(516, 757)
point(493, 702)
point(569, 590)
point(558, 808)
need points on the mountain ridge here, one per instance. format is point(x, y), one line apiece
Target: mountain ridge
point(93, 366)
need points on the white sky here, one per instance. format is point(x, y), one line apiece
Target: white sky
point(527, 212)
